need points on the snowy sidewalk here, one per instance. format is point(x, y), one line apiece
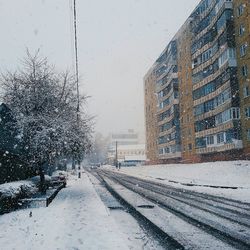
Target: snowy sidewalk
point(76, 219)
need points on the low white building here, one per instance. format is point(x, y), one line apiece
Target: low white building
point(128, 153)
point(136, 152)
point(129, 137)
point(127, 147)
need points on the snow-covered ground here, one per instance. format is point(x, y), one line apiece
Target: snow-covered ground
point(227, 173)
point(76, 219)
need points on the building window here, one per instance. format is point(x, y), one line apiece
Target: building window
point(244, 70)
point(247, 112)
point(210, 140)
point(173, 149)
point(240, 9)
point(229, 114)
point(190, 147)
point(200, 142)
point(226, 55)
point(235, 113)
point(220, 138)
point(195, 62)
point(223, 58)
point(167, 150)
point(160, 151)
point(206, 55)
point(243, 49)
point(248, 134)
point(246, 91)
point(241, 30)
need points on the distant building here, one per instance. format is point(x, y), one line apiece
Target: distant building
point(129, 137)
point(125, 144)
point(131, 153)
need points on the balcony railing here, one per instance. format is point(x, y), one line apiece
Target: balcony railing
point(170, 156)
point(236, 144)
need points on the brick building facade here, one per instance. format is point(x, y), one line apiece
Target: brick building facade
point(206, 66)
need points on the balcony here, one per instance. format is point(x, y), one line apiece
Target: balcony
point(170, 156)
point(211, 60)
point(236, 144)
point(219, 8)
point(208, 45)
point(165, 108)
point(219, 128)
point(160, 87)
point(166, 119)
point(213, 94)
point(168, 131)
point(226, 105)
point(211, 77)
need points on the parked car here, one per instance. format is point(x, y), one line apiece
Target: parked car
point(58, 178)
point(36, 180)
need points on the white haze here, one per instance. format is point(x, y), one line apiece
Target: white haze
point(118, 42)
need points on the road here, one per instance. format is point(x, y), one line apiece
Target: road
point(192, 220)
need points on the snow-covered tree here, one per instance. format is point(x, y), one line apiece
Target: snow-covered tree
point(99, 149)
point(44, 104)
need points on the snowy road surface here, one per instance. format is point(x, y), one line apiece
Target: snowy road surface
point(229, 173)
point(76, 219)
point(194, 220)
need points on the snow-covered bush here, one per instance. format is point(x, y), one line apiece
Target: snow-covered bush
point(11, 192)
point(17, 189)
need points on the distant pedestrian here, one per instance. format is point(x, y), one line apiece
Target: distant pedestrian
point(119, 165)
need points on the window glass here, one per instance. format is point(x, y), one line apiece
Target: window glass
point(220, 138)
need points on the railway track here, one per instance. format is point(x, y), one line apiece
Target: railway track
point(224, 219)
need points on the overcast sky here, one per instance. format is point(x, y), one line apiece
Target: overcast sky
point(118, 42)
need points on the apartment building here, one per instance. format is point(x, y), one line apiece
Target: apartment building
point(150, 109)
point(242, 35)
point(216, 103)
point(202, 86)
point(168, 115)
point(185, 94)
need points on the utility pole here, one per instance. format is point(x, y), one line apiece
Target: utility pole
point(77, 78)
point(76, 63)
